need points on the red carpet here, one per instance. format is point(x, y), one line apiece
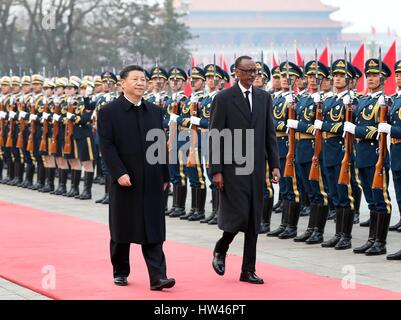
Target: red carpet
point(31, 239)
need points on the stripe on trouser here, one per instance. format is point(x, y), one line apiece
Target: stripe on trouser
point(182, 175)
point(321, 187)
point(350, 197)
point(199, 170)
point(90, 150)
point(385, 194)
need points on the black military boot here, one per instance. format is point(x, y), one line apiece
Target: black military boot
point(28, 182)
point(306, 206)
point(41, 178)
point(51, 176)
point(357, 205)
point(215, 205)
point(107, 182)
point(346, 230)
point(290, 231)
point(99, 174)
point(17, 170)
point(372, 235)
point(75, 180)
point(10, 172)
point(321, 219)
point(88, 182)
point(175, 203)
point(311, 225)
point(20, 176)
point(395, 227)
point(193, 205)
point(199, 213)
point(379, 246)
point(278, 204)
point(284, 221)
point(214, 209)
point(62, 183)
point(106, 190)
point(165, 198)
point(395, 256)
point(1, 171)
point(339, 221)
point(181, 198)
point(266, 216)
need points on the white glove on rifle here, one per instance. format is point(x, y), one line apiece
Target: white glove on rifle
point(33, 117)
point(347, 100)
point(70, 116)
point(3, 115)
point(316, 97)
point(349, 127)
point(384, 128)
point(382, 101)
point(11, 115)
point(289, 99)
point(173, 118)
point(292, 124)
point(56, 117)
point(88, 91)
point(45, 115)
point(22, 115)
point(195, 120)
point(318, 125)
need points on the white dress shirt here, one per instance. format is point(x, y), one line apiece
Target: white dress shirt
point(243, 89)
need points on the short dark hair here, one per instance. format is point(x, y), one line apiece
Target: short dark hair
point(126, 70)
point(239, 60)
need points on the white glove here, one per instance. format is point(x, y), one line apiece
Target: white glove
point(292, 124)
point(33, 117)
point(157, 97)
point(88, 91)
point(56, 100)
point(93, 115)
point(318, 125)
point(69, 115)
point(56, 117)
point(352, 94)
point(3, 114)
point(1, 99)
point(347, 100)
point(173, 117)
point(21, 98)
point(289, 99)
point(384, 128)
point(194, 99)
point(44, 100)
point(316, 97)
point(349, 127)
point(11, 115)
point(22, 115)
point(382, 101)
point(195, 120)
point(45, 115)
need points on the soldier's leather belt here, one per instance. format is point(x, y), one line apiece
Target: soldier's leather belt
point(304, 136)
point(395, 141)
point(281, 134)
point(329, 135)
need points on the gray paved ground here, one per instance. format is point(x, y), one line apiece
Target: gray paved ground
point(375, 271)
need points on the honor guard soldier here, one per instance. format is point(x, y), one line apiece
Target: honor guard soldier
point(49, 161)
point(394, 128)
point(23, 131)
point(334, 113)
point(304, 125)
point(288, 185)
point(213, 75)
point(109, 81)
point(368, 152)
point(6, 105)
point(99, 179)
point(58, 111)
point(190, 118)
point(172, 110)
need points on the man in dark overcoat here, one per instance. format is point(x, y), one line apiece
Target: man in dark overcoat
point(136, 210)
point(246, 113)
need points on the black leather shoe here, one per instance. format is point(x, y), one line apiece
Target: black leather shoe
point(332, 242)
point(163, 284)
point(219, 263)
point(120, 281)
point(304, 236)
point(315, 238)
point(343, 244)
point(250, 277)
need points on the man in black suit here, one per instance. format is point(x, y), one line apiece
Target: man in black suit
point(240, 109)
point(136, 211)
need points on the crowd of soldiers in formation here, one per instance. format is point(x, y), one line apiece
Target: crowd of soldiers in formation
point(331, 141)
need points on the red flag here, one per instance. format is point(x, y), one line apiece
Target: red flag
point(359, 62)
point(274, 61)
point(188, 89)
point(193, 62)
point(298, 58)
point(324, 57)
point(224, 66)
point(390, 59)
